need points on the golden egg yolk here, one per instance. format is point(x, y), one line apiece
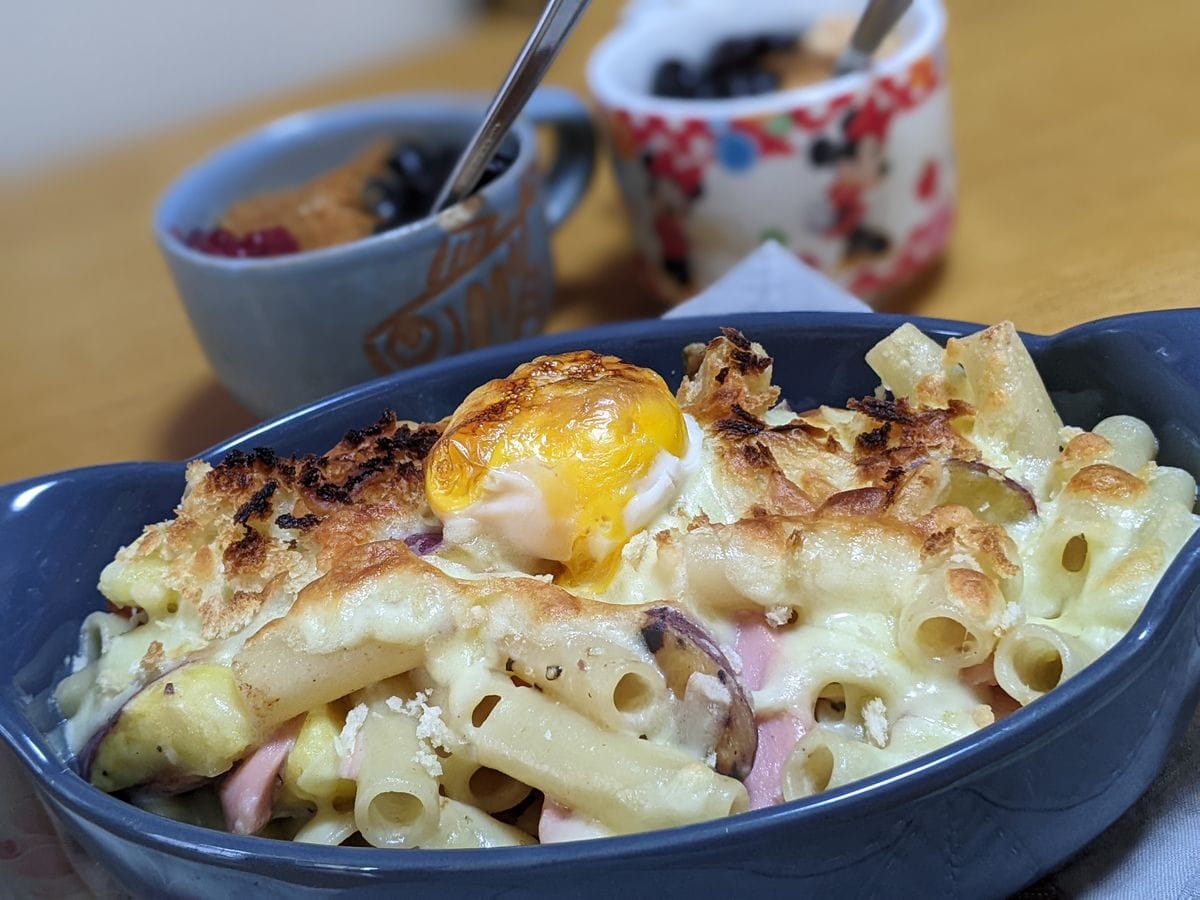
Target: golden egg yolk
point(576, 432)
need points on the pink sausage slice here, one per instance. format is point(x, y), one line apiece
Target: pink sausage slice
point(777, 735)
point(248, 792)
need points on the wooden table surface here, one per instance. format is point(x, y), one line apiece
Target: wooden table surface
point(1079, 150)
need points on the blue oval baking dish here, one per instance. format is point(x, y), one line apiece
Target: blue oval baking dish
point(979, 818)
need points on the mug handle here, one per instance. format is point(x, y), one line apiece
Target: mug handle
point(575, 154)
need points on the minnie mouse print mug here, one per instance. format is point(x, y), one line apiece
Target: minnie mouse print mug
point(855, 175)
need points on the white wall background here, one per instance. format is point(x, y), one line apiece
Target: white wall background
point(81, 75)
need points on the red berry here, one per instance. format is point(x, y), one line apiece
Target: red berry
point(274, 241)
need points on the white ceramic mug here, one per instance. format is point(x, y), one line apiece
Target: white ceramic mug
point(855, 175)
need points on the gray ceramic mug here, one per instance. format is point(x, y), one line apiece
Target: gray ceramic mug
point(284, 330)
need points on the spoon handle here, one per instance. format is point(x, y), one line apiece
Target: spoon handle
point(879, 18)
point(557, 21)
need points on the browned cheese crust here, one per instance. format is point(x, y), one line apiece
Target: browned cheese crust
point(882, 458)
point(257, 527)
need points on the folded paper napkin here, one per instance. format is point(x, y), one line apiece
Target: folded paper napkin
point(1150, 852)
point(769, 280)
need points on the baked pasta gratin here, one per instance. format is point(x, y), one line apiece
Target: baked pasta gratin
point(581, 606)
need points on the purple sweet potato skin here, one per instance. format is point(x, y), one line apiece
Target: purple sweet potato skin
point(681, 647)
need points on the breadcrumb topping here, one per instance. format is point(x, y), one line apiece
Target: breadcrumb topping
point(344, 743)
point(432, 732)
point(875, 722)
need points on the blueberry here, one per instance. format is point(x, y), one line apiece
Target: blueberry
point(504, 158)
point(378, 197)
point(387, 211)
point(415, 204)
point(739, 84)
point(733, 68)
point(496, 167)
point(404, 190)
point(764, 82)
point(780, 40)
point(407, 161)
point(733, 53)
point(441, 163)
point(675, 78)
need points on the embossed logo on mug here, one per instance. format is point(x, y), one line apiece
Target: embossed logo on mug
point(498, 302)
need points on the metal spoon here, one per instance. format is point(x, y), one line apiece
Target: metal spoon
point(879, 18)
point(557, 21)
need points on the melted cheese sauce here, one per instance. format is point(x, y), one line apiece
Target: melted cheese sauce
point(847, 622)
